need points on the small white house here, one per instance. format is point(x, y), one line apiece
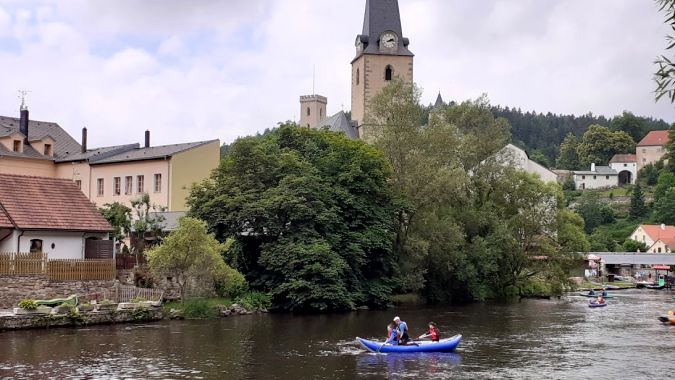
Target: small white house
point(48, 215)
point(626, 166)
point(599, 177)
point(657, 238)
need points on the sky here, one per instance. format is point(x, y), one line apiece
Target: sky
point(199, 70)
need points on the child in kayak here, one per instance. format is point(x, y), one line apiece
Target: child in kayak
point(392, 334)
point(433, 333)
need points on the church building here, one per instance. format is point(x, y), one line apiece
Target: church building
point(381, 55)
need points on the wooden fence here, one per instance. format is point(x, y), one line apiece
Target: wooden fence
point(128, 261)
point(32, 264)
point(22, 264)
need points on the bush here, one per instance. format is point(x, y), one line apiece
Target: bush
point(199, 308)
point(255, 301)
point(230, 284)
point(28, 304)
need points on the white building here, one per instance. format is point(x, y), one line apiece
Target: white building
point(599, 177)
point(626, 166)
point(519, 158)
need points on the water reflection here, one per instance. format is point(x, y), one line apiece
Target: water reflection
point(531, 339)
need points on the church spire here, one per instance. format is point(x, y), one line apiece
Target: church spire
point(382, 32)
point(439, 101)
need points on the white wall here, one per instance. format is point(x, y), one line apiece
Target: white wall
point(67, 245)
point(519, 158)
point(630, 166)
point(600, 181)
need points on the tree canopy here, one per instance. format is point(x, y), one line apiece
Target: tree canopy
point(598, 145)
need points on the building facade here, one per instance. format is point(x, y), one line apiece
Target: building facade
point(651, 148)
point(626, 166)
point(519, 159)
point(599, 177)
point(108, 174)
point(657, 238)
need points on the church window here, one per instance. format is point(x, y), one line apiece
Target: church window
point(320, 113)
point(308, 111)
point(358, 76)
point(388, 72)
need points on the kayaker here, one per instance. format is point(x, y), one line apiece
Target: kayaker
point(591, 292)
point(392, 334)
point(601, 300)
point(402, 330)
point(433, 333)
point(604, 292)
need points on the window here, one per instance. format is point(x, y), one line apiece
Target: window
point(48, 149)
point(308, 111)
point(78, 182)
point(644, 150)
point(320, 113)
point(388, 72)
point(595, 177)
point(158, 183)
point(583, 177)
point(659, 250)
point(117, 186)
point(99, 187)
point(17, 145)
point(35, 246)
point(624, 165)
point(140, 185)
point(358, 76)
point(128, 184)
point(606, 177)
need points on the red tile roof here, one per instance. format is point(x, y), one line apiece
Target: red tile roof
point(655, 232)
point(623, 158)
point(4, 220)
point(48, 204)
point(655, 138)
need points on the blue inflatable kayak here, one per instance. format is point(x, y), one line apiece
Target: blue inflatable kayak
point(595, 296)
point(595, 304)
point(444, 345)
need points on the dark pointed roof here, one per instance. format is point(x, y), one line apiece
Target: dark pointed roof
point(382, 16)
point(64, 144)
point(439, 101)
point(339, 123)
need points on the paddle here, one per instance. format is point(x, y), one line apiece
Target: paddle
point(663, 319)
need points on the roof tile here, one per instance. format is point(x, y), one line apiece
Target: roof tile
point(655, 138)
point(49, 203)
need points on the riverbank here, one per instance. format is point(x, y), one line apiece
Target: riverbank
point(36, 320)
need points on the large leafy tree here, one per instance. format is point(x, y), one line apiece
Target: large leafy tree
point(569, 158)
point(119, 216)
point(599, 144)
point(310, 213)
point(634, 126)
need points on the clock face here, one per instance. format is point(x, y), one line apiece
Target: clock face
point(389, 40)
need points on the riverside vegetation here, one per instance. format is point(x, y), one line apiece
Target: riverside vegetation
point(325, 223)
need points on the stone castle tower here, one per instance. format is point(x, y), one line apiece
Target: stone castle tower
point(381, 55)
point(312, 110)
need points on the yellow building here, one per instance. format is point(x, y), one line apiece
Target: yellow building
point(109, 174)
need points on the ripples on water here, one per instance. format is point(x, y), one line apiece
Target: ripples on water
point(534, 339)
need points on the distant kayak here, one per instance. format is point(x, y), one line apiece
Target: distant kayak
point(595, 304)
point(595, 296)
point(667, 320)
point(444, 345)
point(655, 287)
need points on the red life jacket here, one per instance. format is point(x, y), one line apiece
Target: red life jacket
point(435, 334)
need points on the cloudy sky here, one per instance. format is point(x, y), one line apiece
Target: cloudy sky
point(197, 70)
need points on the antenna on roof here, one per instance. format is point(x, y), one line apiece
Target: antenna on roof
point(22, 96)
point(313, 79)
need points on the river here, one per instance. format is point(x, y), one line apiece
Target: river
point(532, 339)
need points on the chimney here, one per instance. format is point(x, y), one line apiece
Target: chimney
point(147, 138)
point(663, 226)
point(593, 167)
point(84, 140)
point(23, 122)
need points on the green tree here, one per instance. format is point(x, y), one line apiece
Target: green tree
point(649, 174)
point(602, 241)
point(665, 75)
point(599, 144)
point(539, 157)
point(310, 212)
point(119, 216)
point(634, 126)
point(631, 245)
point(665, 182)
point(594, 211)
point(638, 208)
point(569, 158)
point(664, 208)
point(192, 257)
point(146, 220)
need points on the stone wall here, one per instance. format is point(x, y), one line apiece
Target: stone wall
point(31, 321)
point(15, 288)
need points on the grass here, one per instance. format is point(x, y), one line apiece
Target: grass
point(199, 308)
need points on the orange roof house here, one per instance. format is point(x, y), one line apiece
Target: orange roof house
point(47, 215)
point(651, 148)
point(655, 138)
point(658, 238)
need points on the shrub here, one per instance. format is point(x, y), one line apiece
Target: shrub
point(28, 304)
point(199, 308)
point(255, 301)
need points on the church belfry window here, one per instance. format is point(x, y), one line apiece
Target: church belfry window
point(308, 111)
point(320, 113)
point(388, 72)
point(358, 76)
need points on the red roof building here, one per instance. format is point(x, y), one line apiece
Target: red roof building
point(655, 138)
point(651, 148)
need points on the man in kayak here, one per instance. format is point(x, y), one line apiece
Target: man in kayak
point(402, 330)
point(604, 292)
point(591, 292)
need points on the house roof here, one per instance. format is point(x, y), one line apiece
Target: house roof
point(38, 203)
point(151, 153)
point(439, 101)
point(599, 170)
point(655, 138)
point(5, 222)
point(93, 155)
point(340, 123)
point(623, 158)
point(64, 144)
point(655, 232)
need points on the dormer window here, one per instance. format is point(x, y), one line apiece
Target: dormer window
point(17, 145)
point(48, 149)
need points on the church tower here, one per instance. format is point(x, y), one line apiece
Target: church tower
point(381, 55)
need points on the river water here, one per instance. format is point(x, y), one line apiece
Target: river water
point(532, 339)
